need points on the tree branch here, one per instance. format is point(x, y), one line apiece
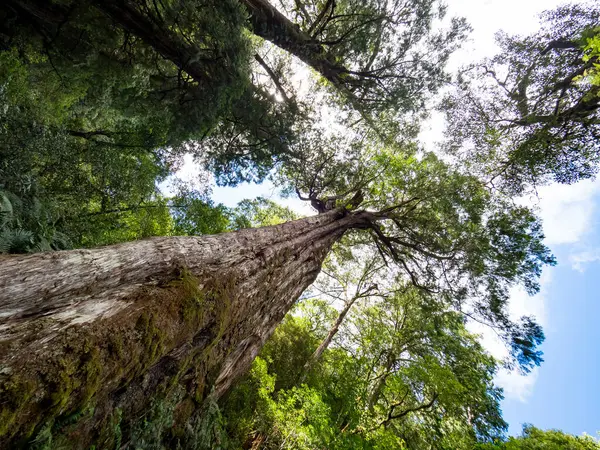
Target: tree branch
point(273, 76)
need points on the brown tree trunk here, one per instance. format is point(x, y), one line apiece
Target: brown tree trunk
point(108, 329)
point(268, 23)
point(316, 356)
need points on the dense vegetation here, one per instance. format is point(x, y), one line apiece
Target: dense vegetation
point(101, 100)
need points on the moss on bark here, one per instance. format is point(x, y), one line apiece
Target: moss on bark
point(91, 367)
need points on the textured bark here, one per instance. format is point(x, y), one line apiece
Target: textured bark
point(111, 327)
point(271, 25)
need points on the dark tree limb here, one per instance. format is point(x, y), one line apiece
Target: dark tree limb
point(273, 76)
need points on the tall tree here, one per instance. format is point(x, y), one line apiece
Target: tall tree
point(91, 338)
point(380, 55)
point(146, 314)
point(194, 311)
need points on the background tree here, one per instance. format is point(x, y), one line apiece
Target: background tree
point(530, 114)
point(93, 117)
point(124, 95)
point(534, 438)
point(380, 56)
point(261, 212)
point(368, 389)
point(345, 280)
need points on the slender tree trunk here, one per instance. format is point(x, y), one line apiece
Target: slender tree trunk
point(108, 329)
point(316, 356)
point(376, 391)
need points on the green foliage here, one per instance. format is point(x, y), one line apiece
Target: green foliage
point(533, 438)
point(382, 58)
point(98, 79)
point(260, 212)
point(56, 177)
point(389, 360)
point(92, 229)
point(252, 139)
point(297, 419)
point(92, 118)
point(25, 227)
point(148, 432)
point(197, 216)
point(449, 233)
point(294, 341)
point(591, 55)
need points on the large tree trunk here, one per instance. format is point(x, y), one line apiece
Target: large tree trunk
point(108, 329)
point(271, 25)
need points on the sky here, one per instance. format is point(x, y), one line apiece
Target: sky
point(563, 393)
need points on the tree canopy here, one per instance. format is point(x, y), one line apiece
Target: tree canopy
point(534, 438)
point(530, 114)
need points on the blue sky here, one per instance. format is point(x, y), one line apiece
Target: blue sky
point(564, 392)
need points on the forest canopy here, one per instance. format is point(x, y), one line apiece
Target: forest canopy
point(102, 101)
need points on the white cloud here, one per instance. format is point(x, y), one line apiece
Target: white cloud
point(516, 386)
point(580, 260)
point(522, 304)
point(489, 339)
point(566, 210)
